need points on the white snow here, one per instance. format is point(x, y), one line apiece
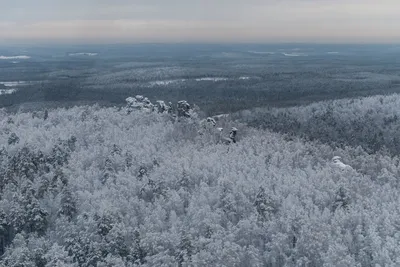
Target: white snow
point(339, 164)
point(211, 121)
point(7, 91)
point(14, 57)
point(162, 107)
point(130, 100)
point(220, 116)
point(294, 54)
point(83, 54)
point(262, 52)
point(202, 79)
point(165, 82)
point(212, 79)
point(139, 102)
point(13, 83)
point(227, 140)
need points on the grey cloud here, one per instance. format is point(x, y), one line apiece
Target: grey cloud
point(119, 9)
point(252, 20)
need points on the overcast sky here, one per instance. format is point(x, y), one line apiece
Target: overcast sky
point(112, 21)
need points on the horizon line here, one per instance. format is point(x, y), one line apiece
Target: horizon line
point(55, 43)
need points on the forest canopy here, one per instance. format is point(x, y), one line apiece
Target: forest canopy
point(160, 185)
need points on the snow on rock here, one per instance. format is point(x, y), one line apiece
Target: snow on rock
point(184, 109)
point(227, 140)
point(211, 121)
point(232, 134)
point(139, 103)
point(162, 107)
point(221, 116)
point(208, 123)
point(130, 100)
point(337, 163)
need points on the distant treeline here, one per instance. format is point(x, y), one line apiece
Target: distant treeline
point(212, 97)
point(372, 122)
point(247, 80)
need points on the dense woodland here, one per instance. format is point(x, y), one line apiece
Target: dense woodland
point(159, 185)
point(219, 78)
point(370, 122)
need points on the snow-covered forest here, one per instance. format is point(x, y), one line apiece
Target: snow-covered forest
point(161, 185)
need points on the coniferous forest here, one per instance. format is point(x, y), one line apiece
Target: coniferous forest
point(161, 184)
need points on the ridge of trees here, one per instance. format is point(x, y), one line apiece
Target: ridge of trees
point(96, 186)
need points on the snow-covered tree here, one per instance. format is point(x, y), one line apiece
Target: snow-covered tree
point(94, 186)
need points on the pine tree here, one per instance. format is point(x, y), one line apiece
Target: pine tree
point(22, 165)
point(67, 204)
point(104, 224)
point(35, 216)
point(13, 139)
point(342, 200)
point(46, 115)
point(128, 159)
point(264, 205)
point(138, 253)
point(143, 171)
point(185, 250)
point(57, 256)
point(116, 150)
point(18, 254)
point(109, 171)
